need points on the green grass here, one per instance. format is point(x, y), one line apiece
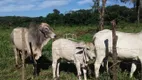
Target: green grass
point(84, 33)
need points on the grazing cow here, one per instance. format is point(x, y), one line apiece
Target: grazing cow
point(129, 46)
point(78, 53)
point(38, 35)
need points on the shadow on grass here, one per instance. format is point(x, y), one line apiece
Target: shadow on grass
point(68, 67)
point(125, 65)
point(44, 63)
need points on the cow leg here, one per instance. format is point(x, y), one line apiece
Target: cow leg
point(35, 73)
point(16, 56)
point(97, 65)
point(89, 71)
point(140, 58)
point(36, 69)
point(106, 64)
point(35, 65)
point(78, 70)
point(58, 65)
point(84, 73)
point(133, 69)
point(37, 56)
point(54, 67)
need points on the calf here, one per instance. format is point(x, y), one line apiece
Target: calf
point(78, 53)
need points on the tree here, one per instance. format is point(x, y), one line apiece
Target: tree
point(102, 13)
point(138, 11)
point(96, 6)
point(55, 11)
point(141, 3)
point(55, 18)
point(137, 5)
point(120, 14)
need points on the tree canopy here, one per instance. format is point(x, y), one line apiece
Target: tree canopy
point(79, 17)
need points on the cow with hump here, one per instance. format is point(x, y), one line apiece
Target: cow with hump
point(77, 52)
point(38, 35)
point(129, 46)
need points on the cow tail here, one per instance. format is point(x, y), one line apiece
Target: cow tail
point(12, 37)
point(93, 41)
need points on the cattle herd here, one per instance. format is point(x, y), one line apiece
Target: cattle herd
point(129, 46)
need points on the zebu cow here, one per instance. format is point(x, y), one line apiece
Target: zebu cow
point(78, 53)
point(37, 35)
point(129, 46)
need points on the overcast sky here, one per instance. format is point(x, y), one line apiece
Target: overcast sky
point(35, 8)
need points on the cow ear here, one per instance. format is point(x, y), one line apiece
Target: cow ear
point(88, 49)
point(40, 27)
point(79, 47)
point(80, 52)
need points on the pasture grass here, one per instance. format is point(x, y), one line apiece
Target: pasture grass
point(84, 33)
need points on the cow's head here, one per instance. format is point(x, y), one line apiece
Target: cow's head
point(87, 50)
point(90, 50)
point(47, 30)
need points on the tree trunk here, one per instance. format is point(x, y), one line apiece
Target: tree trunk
point(114, 50)
point(23, 55)
point(96, 5)
point(102, 12)
point(141, 3)
point(138, 12)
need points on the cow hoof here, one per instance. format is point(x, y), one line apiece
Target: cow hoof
point(35, 74)
point(31, 78)
point(18, 66)
point(56, 78)
point(96, 78)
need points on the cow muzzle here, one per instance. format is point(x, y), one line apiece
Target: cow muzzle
point(52, 36)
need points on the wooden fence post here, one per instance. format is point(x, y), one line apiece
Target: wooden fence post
point(114, 43)
point(23, 54)
point(34, 61)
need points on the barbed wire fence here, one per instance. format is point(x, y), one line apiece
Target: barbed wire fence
point(114, 42)
point(23, 54)
point(70, 36)
point(74, 37)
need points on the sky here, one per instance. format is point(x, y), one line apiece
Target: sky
point(36, 8)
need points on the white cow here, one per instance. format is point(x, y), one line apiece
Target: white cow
point(78, 53)
point(38, 35)
point(129, 46)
